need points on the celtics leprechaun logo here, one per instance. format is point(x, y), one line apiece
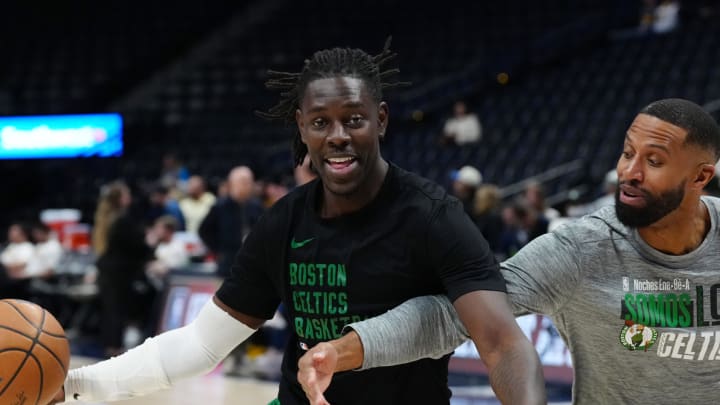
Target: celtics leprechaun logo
point(635, 336)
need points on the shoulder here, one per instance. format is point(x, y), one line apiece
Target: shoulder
point(416, 196)
point(419, 191)
point(418, 186)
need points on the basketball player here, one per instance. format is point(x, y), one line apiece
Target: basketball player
point(633, 289)
point(358, 241)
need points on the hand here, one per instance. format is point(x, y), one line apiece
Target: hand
point(315, 371)
point(59, 397)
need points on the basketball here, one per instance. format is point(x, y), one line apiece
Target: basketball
point(34, 354)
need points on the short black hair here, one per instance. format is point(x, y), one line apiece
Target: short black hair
point(700, 125)
point(328, 63)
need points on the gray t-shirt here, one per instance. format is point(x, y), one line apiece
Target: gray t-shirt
point(641, 325)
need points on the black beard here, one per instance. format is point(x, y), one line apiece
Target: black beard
point(655, 209)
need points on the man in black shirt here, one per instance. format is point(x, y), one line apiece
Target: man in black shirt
point(231, 218)
point(359, 240)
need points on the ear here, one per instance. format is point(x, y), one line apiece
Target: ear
point(383, 118)
point(703, 176)
point(300, 124)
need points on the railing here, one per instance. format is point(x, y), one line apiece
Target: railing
point(544, 177)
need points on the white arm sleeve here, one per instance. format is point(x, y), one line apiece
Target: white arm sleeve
point(159, 362)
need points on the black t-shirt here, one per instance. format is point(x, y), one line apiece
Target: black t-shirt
point(413, 239)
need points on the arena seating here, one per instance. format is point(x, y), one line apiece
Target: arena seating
point(573, 88)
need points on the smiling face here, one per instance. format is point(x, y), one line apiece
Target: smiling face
point(656, 171)
point(342, 125)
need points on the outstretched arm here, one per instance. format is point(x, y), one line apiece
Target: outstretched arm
point(513, 364)
point(156, 365)
point(429, 326)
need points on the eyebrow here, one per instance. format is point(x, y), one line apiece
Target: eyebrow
point(652, 145)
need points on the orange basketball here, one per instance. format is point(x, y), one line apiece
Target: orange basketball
point(34, 354)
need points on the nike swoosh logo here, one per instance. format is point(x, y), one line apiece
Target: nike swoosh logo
point(295, 245)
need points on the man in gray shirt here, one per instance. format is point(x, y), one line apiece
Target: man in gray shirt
point(633, 289)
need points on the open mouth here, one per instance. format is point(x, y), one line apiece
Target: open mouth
point(631, 195)
point(340, 163)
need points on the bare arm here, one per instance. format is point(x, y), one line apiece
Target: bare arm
point(429, 327)
point(514, 367)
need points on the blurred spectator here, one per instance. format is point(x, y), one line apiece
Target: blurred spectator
point(170, 251)
point(273, 189)
point(48, 252)
point(222, 189)
point(521, 225)
point(119, 242)
point(487, 215)
point(647, 15)
point(230, 220)
point(174, 175)
point(18, 252)
point(666, 16)
point(535, 196)
point(463, 128)
point(14, 258)
point(160, 203)
point(465, 183)
point(304, 173)
point(197, 204)
point(659, 17)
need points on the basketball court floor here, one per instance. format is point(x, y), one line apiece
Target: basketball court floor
point(217, 389)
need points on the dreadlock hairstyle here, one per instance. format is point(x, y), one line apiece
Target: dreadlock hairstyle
point(328, 63)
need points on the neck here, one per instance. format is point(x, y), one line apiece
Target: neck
point(335, 205)
point(681, 231)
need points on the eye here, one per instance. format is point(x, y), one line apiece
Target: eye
point(626, 154)
point(356, 121)
point(654, 162)
point(318, 123)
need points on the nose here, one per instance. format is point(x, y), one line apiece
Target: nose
point(338, 136)
point(629, 170)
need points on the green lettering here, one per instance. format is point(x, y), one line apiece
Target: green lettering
point(331, 306)
point(311, 274)
point(341, 276)
point(331, 275)
point(656, 308)
point(326, 329)
point(310, 308)
point(318, 298)
point(342, 303)
point(685, 319)
point(321, 272)
point(299, 326)
point(671, 310)
point(293, 273)
point(297, 302)
point(643, 314)
point(336, 328)
point(317, 327)
point(302, 274)
point(309, 332)
point(629, 302)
